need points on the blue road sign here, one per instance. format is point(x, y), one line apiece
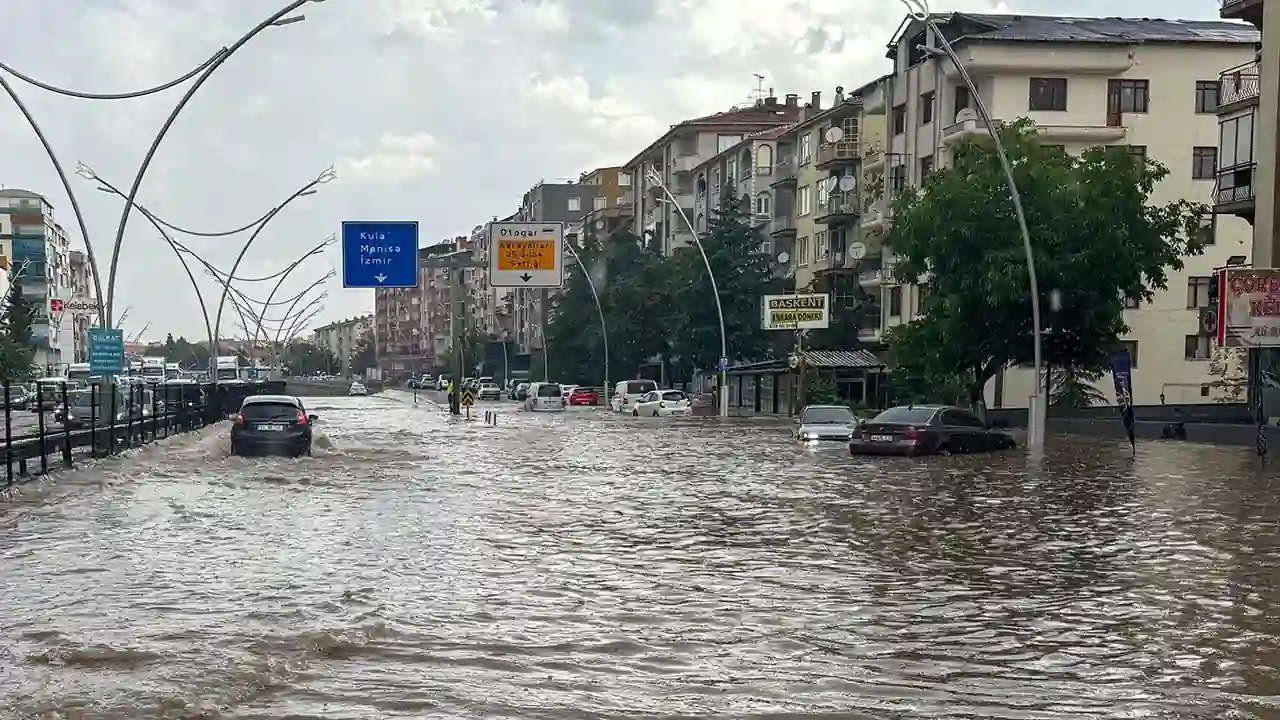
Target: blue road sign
point(380, 254)
point(106, 351)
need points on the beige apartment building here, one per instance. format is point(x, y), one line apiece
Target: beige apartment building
point(343, 338)
point(1141, 83)
point(678, 153)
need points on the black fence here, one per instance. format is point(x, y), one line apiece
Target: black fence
point(48, 425)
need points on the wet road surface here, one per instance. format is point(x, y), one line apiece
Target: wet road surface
point(587, 565)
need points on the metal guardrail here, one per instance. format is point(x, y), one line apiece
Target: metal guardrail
point(1238, 84)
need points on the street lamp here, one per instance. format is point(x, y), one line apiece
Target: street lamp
point(200, 73)
point(919, 11)
point(715, 291)
point(285, 274)
point(604, 331)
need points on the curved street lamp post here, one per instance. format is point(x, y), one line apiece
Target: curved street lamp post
point(285, 275)
point(604, 330)
point(919, 11)
point(715, 291)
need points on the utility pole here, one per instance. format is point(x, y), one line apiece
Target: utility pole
point(456, 263)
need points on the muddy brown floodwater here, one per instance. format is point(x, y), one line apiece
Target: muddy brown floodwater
point(587, 565)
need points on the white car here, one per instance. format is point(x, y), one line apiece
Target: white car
point(627, 392)
point(544, 397)
point(489, 391)
point(357, 389)
point(566, 391)
point(663, 403)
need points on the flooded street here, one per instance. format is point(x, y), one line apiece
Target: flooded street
point(587, 565)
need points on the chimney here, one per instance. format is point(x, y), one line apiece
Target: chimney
point(793, 100)
point(771, 101)
point(839, 94)
point(816, 100)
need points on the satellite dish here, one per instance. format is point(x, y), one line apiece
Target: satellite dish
point(834, 135)
point(966, 115)
point(783, 258)
point(857, 250)
point(847, 183)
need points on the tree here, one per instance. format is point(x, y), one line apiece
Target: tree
point(169, 346)
point(16, 347)
point(742, 274)
point(306, 358)
point(1074, 388)
point(365, 355)
point(1096, 241)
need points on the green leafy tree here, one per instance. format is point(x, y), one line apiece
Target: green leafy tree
point(1097, 239)
point(1075, 389)
point(16, 347)
point(169, 346)
point(305, 358)
point(365, 355)
point(742, 274)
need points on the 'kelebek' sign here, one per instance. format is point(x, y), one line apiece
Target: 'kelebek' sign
point(75, 306)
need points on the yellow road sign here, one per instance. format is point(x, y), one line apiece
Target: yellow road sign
point(536, 254)
point(468, 398)
point(526, 254)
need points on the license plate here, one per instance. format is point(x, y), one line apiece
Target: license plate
point(271, 428)
point(881, 438)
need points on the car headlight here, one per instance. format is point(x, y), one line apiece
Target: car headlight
point(809, 436)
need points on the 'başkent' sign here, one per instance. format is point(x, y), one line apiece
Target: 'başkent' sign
point(795, 312)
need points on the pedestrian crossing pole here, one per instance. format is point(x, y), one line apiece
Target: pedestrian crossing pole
point(456, 264)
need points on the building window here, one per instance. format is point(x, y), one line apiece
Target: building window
point(898, 178)
point(802, 251)
point(1235, 142)
point(820, 245)
point(804, 200)
point(1048, 94)
point(1208, 232)
point(599, 202)
point(926, 108)
point(763, 204)
point(724, 142)
point(1204, 163)
point(764, 159)
point(624, 179)
point(899, 119)
point(1128, 96)
point(1197, 292)
point(806, 148)
point(926, 167)
point(1197, 348)
point(924, 292)
point(1131, 346)
point(961, 99)
point(1137, 152)
point(1131, 303)
point(575, 204)
point(1207, 97)
point(895, 301)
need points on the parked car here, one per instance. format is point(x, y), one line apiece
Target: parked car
point(17, 399)
point(489, 391)
point(663, 403)
point(272, 424)
point(566, 391)
point(442, 383)
point(927, 430)
point(357, 389)
point(543, 397)
point(106, 405)
point(826, 422)
point(584, 396)
point(627, 392)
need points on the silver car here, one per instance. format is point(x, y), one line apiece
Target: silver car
point(826, 422)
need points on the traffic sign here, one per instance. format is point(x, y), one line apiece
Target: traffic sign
point(468, 397)
point(106, 351)
point(526, 254)
point(724, 364)
point(380, 254)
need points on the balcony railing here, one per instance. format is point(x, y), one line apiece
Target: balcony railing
point(781, 225)
point(1228, 3)
point(839, 152)
point(1240, 186)
point(1238, 84)
point(784, 171)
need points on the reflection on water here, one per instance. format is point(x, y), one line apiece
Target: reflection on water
point(591, 566)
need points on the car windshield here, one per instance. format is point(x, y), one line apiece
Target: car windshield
point(637, 387)
point(549, 391)
point(268, 411)
point(905, 414)
point(674, 396)
point(100, 398)
point(827, 416)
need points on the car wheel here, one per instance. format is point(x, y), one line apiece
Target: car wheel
point(635, 413)
point(944, 451)
point(655, 414)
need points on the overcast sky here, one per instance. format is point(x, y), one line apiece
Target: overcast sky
point(443, 111)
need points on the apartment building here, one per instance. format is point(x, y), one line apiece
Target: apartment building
point(674, 157)
point(42, 264)
point(1141, 83)
point(343, 338)
point(411, 325)
point(82, 290)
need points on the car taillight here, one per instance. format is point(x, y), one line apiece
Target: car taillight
point(239, 420)
point(911, 434)
point(302, 418)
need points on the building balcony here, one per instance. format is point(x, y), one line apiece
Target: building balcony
point(784, 226)
point(873, 158)
point(872, 274)
point(1249, 11)
point(1238, 87)
point(685, 164)
point(784, 174)
point(974, 129)
point(1235, 193)
point(761, 220)
point(837, 155)
point(843, 208)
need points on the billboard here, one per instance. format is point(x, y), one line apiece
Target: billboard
point(795, 312)
point(1248, 305)
point(75, 306)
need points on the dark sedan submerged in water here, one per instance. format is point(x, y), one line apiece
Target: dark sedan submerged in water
point(927, 430)
point(272, 424)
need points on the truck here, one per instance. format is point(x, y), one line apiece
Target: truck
point(227, 367)
point(172, 371)
point(79, 371)
point(153, 369)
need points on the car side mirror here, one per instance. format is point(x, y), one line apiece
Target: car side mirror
point(311, 418)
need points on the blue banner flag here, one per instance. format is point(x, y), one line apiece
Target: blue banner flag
point(1122, 372)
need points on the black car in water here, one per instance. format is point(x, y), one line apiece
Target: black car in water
point(271, 424)
point(927, 430)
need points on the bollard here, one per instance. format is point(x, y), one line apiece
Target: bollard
point(111, 431)
point(44, 460)
point(94, 398)
point(8, 436)
point(66, 428)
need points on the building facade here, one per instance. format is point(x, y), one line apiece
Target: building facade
point(1085, 82)
point(42, 266)
point(411, 325)
point(82, 290)
point(342, 339)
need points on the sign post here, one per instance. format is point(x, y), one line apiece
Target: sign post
point(106, 351)
point(379, 254)
point(526, 254)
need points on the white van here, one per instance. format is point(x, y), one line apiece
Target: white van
point(544, 397)
point(627, 392)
